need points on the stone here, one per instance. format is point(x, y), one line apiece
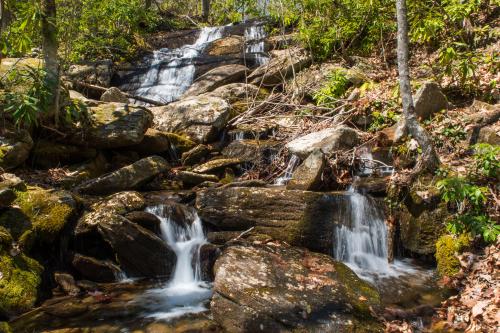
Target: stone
point(103, 271)
point(79, 97)
point(111, 125)
point(308, 176)
point(47, 154)
point(217, 165)
point(282, 41)
point(375, 186)
point(216, 78)
point(98, 73)
point(7, 197)
point(114, 95)
point(127, 178)
point(157, 142)
point(283, 64)
point(429, 100)
point(192, 178)
point(239, 93)
point(277, 288)
point(15, 147)
point(201, 118)
point(254, 151)
point(300, 218)
point(82, 172)
point(490, 134)
point(146, 220)
point(310, 80)
point(222, 237)
point(328, 141)
point(195, 155)
point(67, 283)
point(208, 254)
point(10, 180)
point(227, 46)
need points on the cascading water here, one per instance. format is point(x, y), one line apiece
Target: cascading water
point(172, 71)
point(254, 37)
point(293, 163)
point(186, 292)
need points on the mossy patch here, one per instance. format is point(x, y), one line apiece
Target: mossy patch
point(446, 249)
point(181, 142)
point(4, 327)
point(19, 283)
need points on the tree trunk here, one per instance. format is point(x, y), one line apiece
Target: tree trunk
point(428, 160)
point(50, 46)
point(1, 25)
point(205, 9)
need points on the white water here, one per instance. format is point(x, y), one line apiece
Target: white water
point(292, 165)
point(185, 292)
point(172, 71)
point(255, 46)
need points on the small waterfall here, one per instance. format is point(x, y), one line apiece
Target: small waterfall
point(293, 163)
point(172, 72)
point(254, 37)
point(185, 292)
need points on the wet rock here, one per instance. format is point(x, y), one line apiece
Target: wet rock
point(298, 217)
point(21, 278)
point(15, 147)
point(208, 255)
point(375, 186)
point(156, 142)
point(145, 220)
point(7, 196)
point(98, 73)
point(69, 310)
point(192, 178)
point(285, 289)
point(216, 78)
point(195, 155)
point(281, 66)
point(228, 46)
point(47, 154)
point(127, 178)
point(308, 176)
point(222, 237)
point(114, 95)
point(255, 151)
point(67, 283)
point(200, 118)
point(94, 269)
point(429, 100)
point(217, 165)
point(328, 141)
point(112, 125)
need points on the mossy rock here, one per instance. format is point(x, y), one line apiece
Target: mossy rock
point(5, 328)
point(181, 143)
point(446, 249)
point(5, 239)
point(19, 283)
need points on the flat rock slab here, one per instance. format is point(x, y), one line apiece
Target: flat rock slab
point(216, 78)
point(278, 288)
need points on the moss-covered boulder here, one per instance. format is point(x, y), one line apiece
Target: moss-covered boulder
point(156, 142)
point(278, 288)
point(19, 282)
point(217, 165)
point(447, 248)
point(15, 147)
point(47, 154)
point(39, 216)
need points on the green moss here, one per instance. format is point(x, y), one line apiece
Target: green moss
point(5, 239)
point(5, 328)
point(19, 284)
point(180, 142)
point(446, 249)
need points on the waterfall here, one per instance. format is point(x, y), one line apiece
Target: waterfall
point(293, 163)
point(172, 71)
point(255, 46)
point(185, 292)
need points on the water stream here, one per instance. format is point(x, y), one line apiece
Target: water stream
point(255, 46)
point(186, 292)
point(172, 71)
point(292, 165)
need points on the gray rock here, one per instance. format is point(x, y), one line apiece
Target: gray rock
point(47, 154)
point(112, 125)
point(308, 176)
point(490, 134)
point(95, 270)
point(238, 93)
point(217, 165)
point(277, 288)
point(328, 141)
point(228, 46)
point(193, 178)
point(145, 220)
point(216, 78)
point(157, 142)
point(429, 100)
point(195, 155)
point(98, 73)
point(7, 196)
point(114, 95)
point(200, 118)
point(67, 283)
point(10, 180)
point(255, 151)
point(127, 178)
point(15, 147)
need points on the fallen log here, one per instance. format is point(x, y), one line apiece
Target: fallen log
point(77, 84)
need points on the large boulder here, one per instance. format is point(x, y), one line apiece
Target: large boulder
point(255, 151)
point(328, 141)
point(283, 64)
point(200, 118)
point(47, 154)
point(157, 142)
point(216, 78)
point(277, 288)
point(98, 73)
point(238, 93)
point(94, 269)
point(127, 178)
point(308, 176)
point(300, 218)
point(217, 165)
point(15, 147)
point(228, 46)
point(115, 95)
point(429, 100)
point(112, 125)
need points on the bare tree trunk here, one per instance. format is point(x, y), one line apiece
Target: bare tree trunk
point(1, 25)
point(50, 46)
point(429, 160)
point(205, 4)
